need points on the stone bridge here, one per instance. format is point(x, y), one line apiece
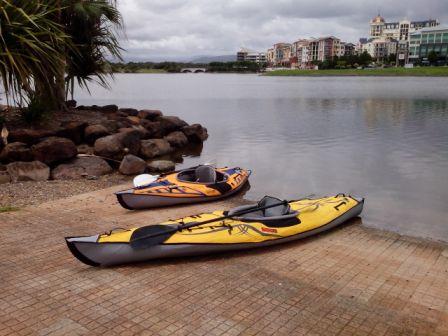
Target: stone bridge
point(193, 70)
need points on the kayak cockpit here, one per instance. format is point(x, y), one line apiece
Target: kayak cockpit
point(202, 174)
point(278, 216)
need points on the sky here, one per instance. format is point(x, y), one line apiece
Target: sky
point(158, 30)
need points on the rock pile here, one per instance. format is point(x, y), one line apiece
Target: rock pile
point(123, 139)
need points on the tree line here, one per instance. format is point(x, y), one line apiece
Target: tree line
point(172, 67)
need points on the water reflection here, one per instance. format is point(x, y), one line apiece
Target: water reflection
point(382, 138)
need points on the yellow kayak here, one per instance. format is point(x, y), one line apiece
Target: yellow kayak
point(247, 227)
point(192, 185)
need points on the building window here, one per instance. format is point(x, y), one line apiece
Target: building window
point(444, 50)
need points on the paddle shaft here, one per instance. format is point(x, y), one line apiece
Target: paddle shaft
point(193, 224)
point(187, 226)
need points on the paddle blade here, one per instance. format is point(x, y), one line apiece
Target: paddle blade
point(151, 235)
point(144, 179)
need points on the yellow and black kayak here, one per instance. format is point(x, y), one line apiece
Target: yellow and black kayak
point(266, 223)
point(198, 184)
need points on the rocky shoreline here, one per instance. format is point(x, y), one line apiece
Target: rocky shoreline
point(88, 142)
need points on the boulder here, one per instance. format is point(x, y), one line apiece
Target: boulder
point(155, 147)
point(110, 147)
point(28, 171)
point(54, 149)
point(111, 125)
point(132, 165)
point(85, 149)
point(28, 136)
point(149, 114)
point(116, 146)
point(170, 123)
point(133, 120)
point(144, 133)
point(109, 108)
point(153, 127)
point(81, 167)
point(93, 132)
point(131, 140)
point(176, 139)
point(195, 133)
point(121, 114)
point(16, 151)
point(128, 111)
point(73, 130)
point(161, 166)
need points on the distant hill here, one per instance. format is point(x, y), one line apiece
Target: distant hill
point(208, 59)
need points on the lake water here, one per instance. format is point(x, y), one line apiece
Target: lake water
point(385, 139)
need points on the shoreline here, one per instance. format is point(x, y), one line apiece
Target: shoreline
point(19, 196)
point(386, 72)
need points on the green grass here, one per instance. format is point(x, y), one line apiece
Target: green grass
point(421, 71)
point(8, 209)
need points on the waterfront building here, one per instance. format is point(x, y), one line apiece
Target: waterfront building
point(328, 48)
point(270, 56)
point(346, 49)
point(300, 54)
point(248, 55)
point(427, 40)
point(380, 48)
point(400, 30)
point(397, 33)
point(306, 52)
point(279, 55)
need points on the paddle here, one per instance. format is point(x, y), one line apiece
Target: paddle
point(156, 234)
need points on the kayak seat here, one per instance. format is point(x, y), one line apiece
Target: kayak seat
point(205, 174)
point(278, 216)
point(202, 174)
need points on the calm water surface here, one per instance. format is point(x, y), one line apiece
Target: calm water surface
point(382, 138)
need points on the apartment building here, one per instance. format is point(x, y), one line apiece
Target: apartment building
point(380, 48)
point(400, 30)
point(279, 55)
point(393, 37)
point(306, 52)
point(248, 55)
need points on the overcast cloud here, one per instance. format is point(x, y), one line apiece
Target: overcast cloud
point(177, 29)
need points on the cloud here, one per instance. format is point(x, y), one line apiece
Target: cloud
point(179, 29)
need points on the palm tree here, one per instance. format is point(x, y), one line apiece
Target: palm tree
point(93, 28)
point(45, 46)
point(28, 56)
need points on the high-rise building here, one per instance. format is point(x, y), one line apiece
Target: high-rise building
point(387, 38)
point(400, 30)
point(251, 56)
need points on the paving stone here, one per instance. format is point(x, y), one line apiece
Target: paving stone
point(349, 281)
